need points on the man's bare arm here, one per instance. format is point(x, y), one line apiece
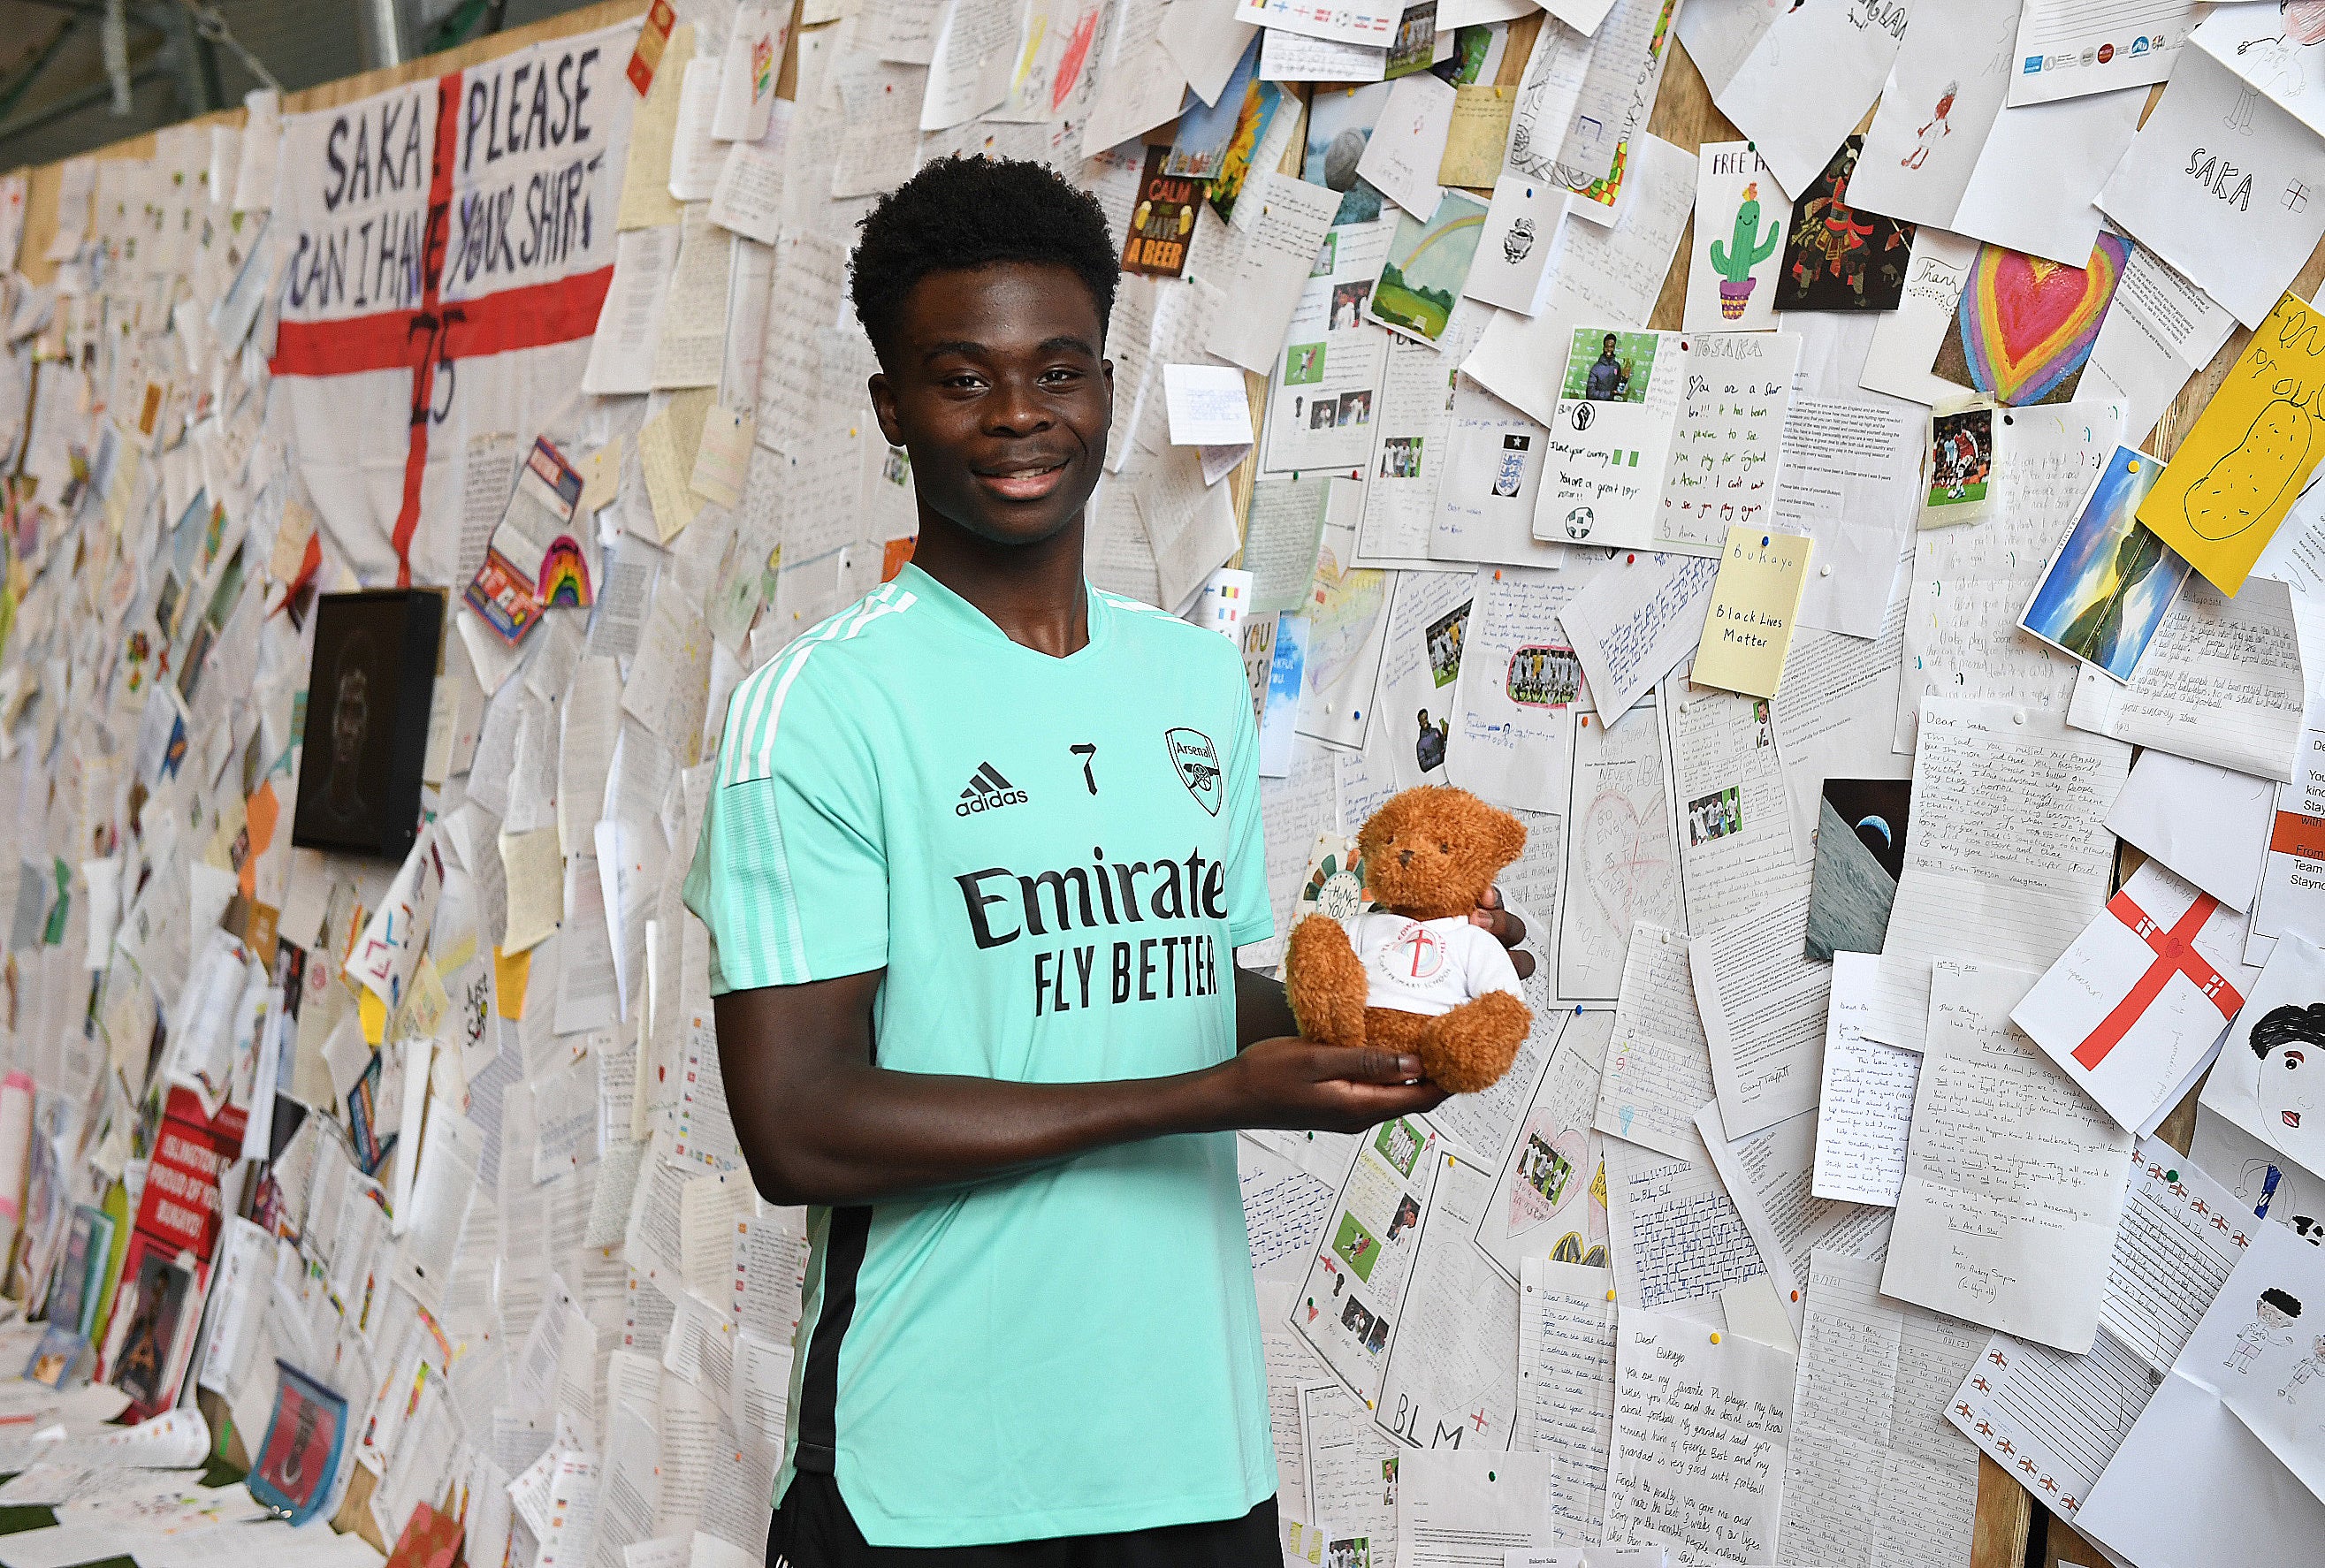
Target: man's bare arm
point(818, 1123)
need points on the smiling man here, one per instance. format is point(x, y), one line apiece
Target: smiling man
point(977, 856)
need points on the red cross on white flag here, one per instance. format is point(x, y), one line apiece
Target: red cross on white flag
point(446, 246)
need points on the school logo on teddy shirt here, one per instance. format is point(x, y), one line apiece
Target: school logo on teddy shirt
point(1415, 956)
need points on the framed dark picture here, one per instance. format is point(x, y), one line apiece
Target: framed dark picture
point(368, 691)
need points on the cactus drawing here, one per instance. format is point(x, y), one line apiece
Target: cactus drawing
point(1743, 254)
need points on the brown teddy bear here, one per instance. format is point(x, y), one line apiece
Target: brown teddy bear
point(1418, 976)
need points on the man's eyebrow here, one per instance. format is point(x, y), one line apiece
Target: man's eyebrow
point(1064, 342)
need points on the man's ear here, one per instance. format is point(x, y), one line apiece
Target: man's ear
point(884, 408)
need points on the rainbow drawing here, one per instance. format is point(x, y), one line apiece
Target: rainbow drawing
point(2027, 324)
point(564, 575)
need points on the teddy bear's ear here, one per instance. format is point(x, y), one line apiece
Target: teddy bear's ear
point(1509, 837)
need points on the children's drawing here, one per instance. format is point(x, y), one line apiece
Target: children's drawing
point(1743, 253)
point(2273, 1313)
point(2308, 1367)
point(2250, 479)
point(1837, 258)
point(1622, 853)
point(2024, 326)
point(2290, 1042)
point(1936, 131)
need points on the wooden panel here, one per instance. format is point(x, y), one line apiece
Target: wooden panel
point(2005, 1514)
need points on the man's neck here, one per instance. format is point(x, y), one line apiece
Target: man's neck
point(1033, 592)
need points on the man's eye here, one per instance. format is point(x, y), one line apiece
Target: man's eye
point(2292, 1059)
point(1056, 377)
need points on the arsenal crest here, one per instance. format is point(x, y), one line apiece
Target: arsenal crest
point(1197, 761)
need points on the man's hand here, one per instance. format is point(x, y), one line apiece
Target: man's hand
point(1506, 928)
point(1296, 1083)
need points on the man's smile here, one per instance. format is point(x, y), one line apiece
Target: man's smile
point(1027, 479)
point(2293, 1118)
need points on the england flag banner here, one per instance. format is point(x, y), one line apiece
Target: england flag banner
point(445, 247)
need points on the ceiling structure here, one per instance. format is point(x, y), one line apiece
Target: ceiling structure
point(182, 57)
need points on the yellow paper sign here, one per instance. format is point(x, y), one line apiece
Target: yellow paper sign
point(371, 1013)
point(1748, 629)
point(511, 970)
point(2229, 485)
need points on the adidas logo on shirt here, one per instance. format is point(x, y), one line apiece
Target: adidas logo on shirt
point(987, 792)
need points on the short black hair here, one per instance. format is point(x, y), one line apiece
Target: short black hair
point(961, 214)
point(2281, 1025)
point(2283, 1301)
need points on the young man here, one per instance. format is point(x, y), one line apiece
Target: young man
point(1609, 375)
point(977, 858)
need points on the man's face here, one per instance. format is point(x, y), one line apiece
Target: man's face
point(1608, 346)
point(997, 388)
point(2271, 1315)
point(2288, 1084)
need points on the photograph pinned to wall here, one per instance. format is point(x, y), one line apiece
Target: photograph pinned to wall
point(1255, 112)
point(146, 1352)
point(2024, 326)
point(1206, 131)
point(299, 1459)
point(1428, 264)
point(369, 686)
point(1860, 853)
point(1415, 47)
point(1543, 675)
point(2111, 581)
point(1444, 644)
point(1341, 121)
point(1837, 258)
point(1610, 367)
point(1163, 223)
point(1960, 466)
point(1733, 262)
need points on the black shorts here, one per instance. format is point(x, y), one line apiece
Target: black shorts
point(814, 1529)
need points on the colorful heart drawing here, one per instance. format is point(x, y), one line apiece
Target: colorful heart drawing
point(2027, 325)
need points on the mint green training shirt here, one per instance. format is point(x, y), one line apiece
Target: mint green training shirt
point(1055, 860)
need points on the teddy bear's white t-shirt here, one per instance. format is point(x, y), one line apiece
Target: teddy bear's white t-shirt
point(1429, 966)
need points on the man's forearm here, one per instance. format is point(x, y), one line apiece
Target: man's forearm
point(882, 1134)
point(820, 1123)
